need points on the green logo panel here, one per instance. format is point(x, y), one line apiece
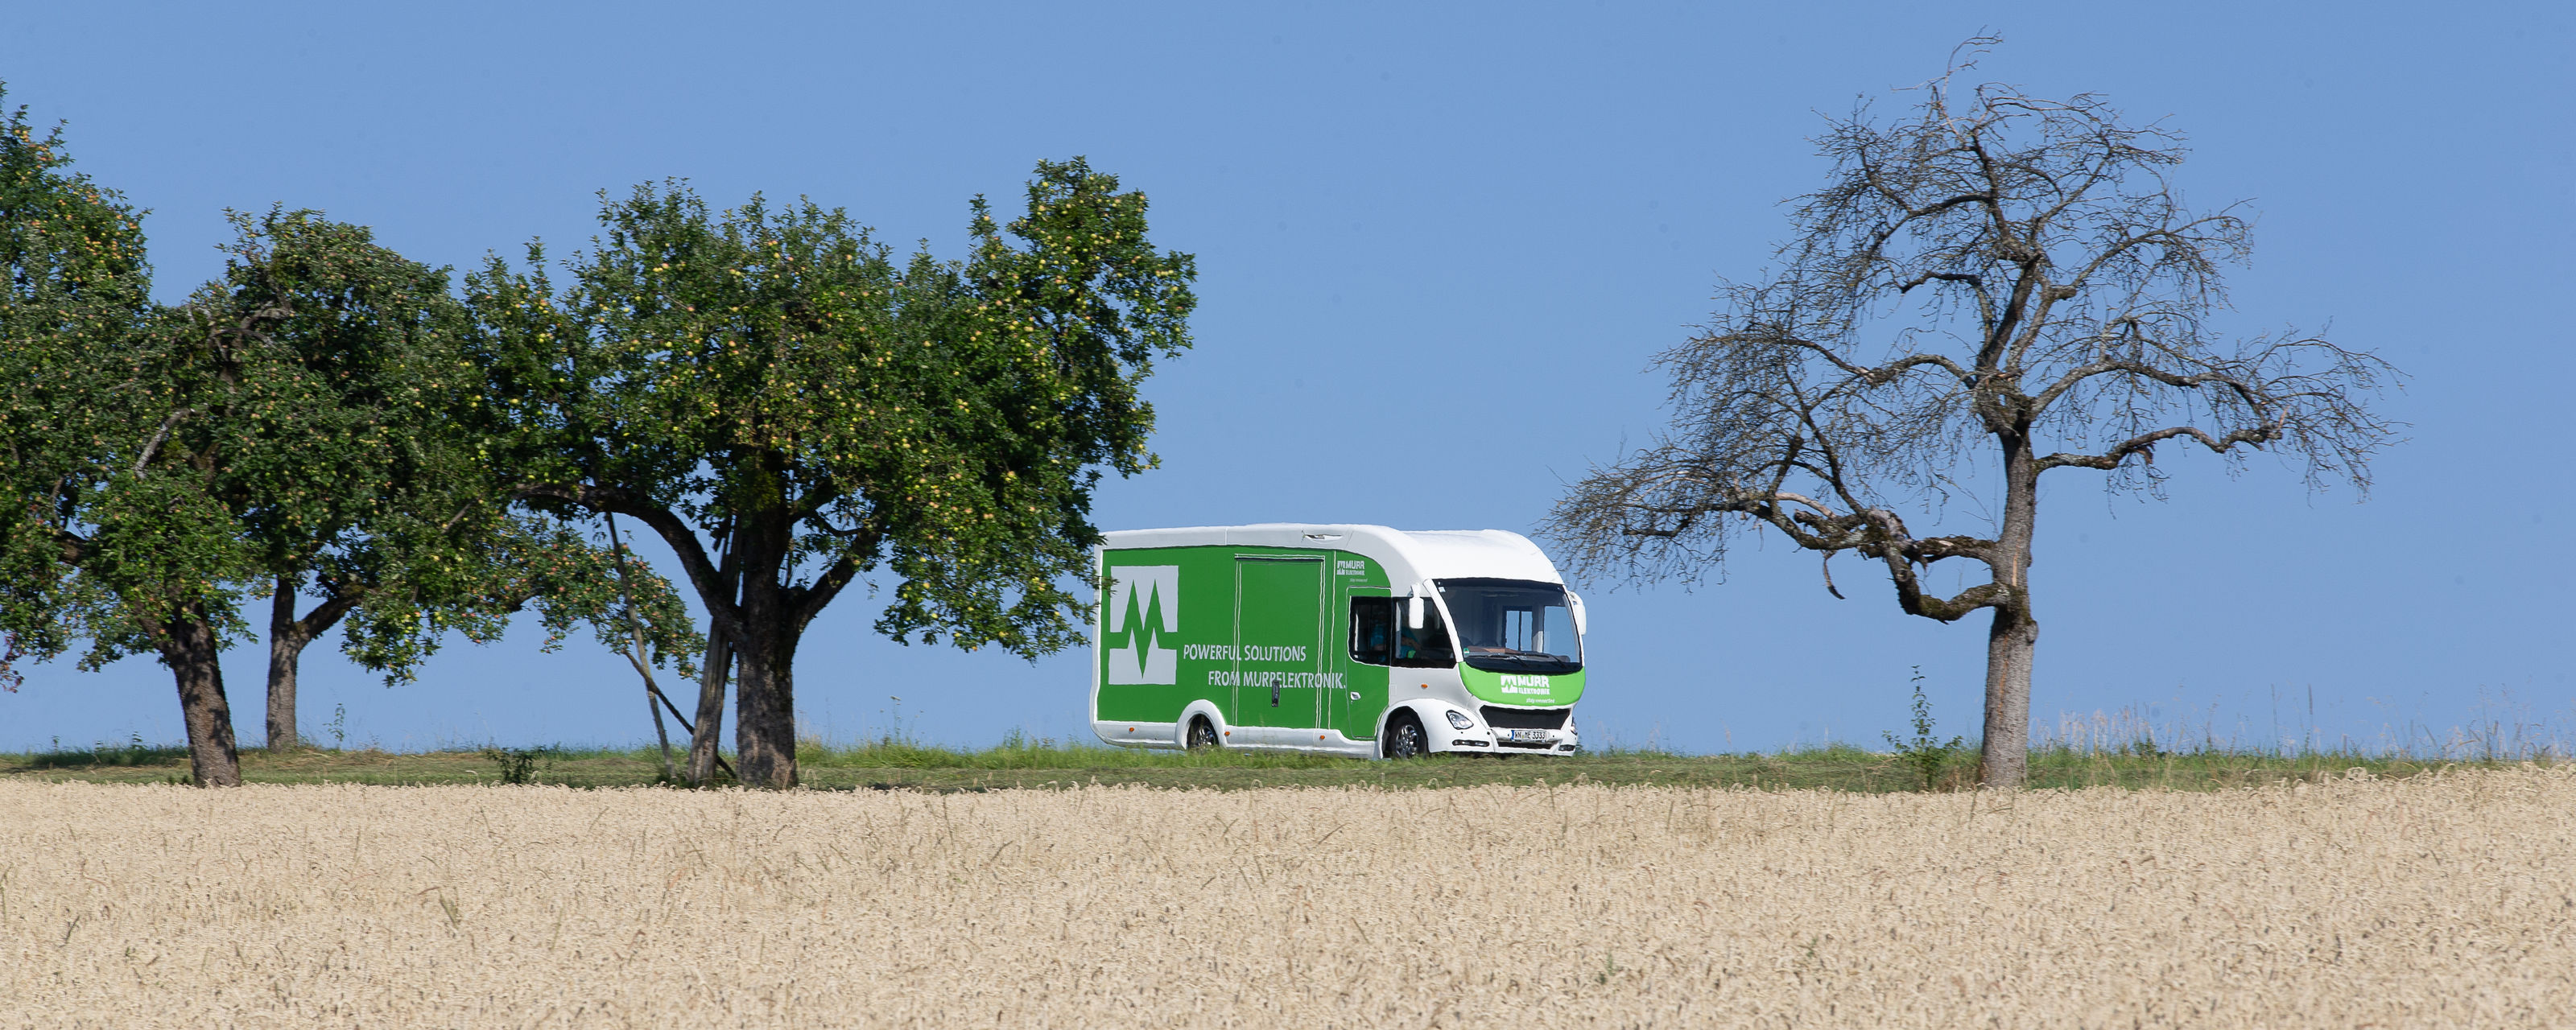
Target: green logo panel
point(1513, 688)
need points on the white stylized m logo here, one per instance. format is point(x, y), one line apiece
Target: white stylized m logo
point(1145, 604)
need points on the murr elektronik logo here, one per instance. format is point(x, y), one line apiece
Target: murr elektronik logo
point(1144, 604)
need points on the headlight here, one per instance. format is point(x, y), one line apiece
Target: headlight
point(1459, 719)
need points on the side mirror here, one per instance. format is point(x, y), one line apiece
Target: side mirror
point(1575, 601)
point(1413, 613)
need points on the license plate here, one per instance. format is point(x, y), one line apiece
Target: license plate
point(1539, 736)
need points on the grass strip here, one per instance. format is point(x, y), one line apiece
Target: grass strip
point(1026, 764)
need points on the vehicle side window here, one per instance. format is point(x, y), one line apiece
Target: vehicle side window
point(1373, 621)
point(1425, 648)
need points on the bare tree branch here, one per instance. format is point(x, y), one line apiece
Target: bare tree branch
point(2145, 445)
point(153, 446)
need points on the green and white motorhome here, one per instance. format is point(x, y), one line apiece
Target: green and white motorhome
point(1347, 640)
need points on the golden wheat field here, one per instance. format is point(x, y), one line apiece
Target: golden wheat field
point(2447, 900)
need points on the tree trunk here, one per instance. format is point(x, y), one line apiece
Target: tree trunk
point(288, 636)
point(661, 730)
point(285, 652)
point(759, 646)
point(764, 680)
point(765, 708)
point(2004, 759)
point(2009, 647)
point(711, 695)
point(194, 654)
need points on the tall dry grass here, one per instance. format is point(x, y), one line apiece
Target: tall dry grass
point(2447, 900)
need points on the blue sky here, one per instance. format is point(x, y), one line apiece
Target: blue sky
point(1419, 227)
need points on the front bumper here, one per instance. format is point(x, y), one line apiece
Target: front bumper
point(1513, 742)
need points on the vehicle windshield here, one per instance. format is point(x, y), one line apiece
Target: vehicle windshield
point(1513, 625)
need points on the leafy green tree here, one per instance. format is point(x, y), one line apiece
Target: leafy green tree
point(300, 416)
point(359, 328)
point(791, 409)
point(109, 530)
point(373, 490)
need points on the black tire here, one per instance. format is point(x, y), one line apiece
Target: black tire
point(1203, 735)
point(1404, 737)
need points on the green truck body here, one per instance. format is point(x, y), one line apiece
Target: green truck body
point(1335, 639)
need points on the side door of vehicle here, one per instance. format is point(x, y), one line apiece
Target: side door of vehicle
point(1364, 635)
point(1279, 619)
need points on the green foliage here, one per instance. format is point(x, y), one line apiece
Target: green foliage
point(311, 413)
point(521, 561)
point(1019, 751)
point(73, 250)
point(1927, 755)
point(102, 754)
point(352, 398)
point(378, 482)
point(110, 526)
point(520, 765)
point(777, 380)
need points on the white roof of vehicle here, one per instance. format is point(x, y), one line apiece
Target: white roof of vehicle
point(1409, 556)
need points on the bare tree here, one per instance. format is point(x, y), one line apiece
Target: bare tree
point(1994, 287)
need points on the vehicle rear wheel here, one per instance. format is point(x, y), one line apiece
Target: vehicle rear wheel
point(1404, 737)
point(1203, 734)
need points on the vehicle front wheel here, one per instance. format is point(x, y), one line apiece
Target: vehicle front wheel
point(1202, 735)
point(1404, 737)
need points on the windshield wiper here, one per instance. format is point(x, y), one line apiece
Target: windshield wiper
point(1527, 656)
